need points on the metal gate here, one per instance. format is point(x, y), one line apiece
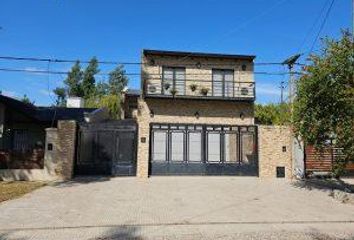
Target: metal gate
point(187, 149)
point(107, 148)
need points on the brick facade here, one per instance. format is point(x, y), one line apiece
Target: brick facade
point(183, 111)
point(66, 147)
point(196, 111)
point(197, 74)
point(274, 150)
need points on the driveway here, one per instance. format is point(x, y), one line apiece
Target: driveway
point(175, 208)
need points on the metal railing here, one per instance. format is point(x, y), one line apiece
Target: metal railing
point(199, 88)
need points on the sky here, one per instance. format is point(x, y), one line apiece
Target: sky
point(118, 30)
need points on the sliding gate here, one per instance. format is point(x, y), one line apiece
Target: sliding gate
point(203, 150)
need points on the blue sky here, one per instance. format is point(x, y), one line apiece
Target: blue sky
point(118, 30)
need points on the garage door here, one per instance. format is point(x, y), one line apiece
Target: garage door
point(203, 150)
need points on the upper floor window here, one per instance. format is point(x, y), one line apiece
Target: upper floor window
point(173, 80)
point(223, 83)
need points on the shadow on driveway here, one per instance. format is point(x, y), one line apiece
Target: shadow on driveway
point(81, 180)
point(324, 184)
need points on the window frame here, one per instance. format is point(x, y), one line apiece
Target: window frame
point(173, 68)
point(223, 81)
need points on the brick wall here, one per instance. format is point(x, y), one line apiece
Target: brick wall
point(183, 111)
point(271, 140)
point(66, 147)
point(152, 72)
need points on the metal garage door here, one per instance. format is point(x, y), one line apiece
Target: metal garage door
point(107, 148)
point(203, 150)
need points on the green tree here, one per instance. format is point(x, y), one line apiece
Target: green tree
point(26, 100)
point(102, 88)
point(324, 106)
point(60, 92)
point(110, 101)
point(117, 80)
point(73, 81)
point(272, 114)
point(89, 81)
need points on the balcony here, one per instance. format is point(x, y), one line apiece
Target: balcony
point(199, 89)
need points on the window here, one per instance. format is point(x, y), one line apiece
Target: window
point(177, 146)
point(214, 153)
point(248, 148)
point(159, 146)
point(20, 140)
point(195, 146)
point(223, 83)
point(230, 147)
point(173, 78)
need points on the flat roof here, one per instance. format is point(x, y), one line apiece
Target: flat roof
point(197, 54)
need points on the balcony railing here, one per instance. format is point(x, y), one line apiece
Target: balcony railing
point(192, 88)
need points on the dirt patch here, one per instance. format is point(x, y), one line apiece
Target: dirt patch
point(11, 190)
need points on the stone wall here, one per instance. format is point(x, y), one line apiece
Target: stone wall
point(66, 143)
point(198, 70)
point(274, 150)
point(183, 111)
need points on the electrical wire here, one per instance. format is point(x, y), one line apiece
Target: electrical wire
point(313, 26)
point(52, 60)
point(128, 74)
point(321, 27)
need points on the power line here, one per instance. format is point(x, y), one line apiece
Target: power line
point(55, 60)
point(321, 27)
point(34, 71)
point(313, 25)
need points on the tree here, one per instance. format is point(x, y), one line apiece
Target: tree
point(89, 81)
point(324, 106)
point(74, 80)
point(60, 92)
point(102, 88)
point(117, 80)
point(272, 114)
point(110, 101)
point(26, 100)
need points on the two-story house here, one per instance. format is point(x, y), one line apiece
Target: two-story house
point(195, 114)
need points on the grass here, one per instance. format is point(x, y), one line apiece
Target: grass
point(11, 190)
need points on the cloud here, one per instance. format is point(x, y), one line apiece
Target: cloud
point(267, 89)
point(9, 93)
point(45, 92)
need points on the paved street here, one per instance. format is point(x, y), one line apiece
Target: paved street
point(176, 208)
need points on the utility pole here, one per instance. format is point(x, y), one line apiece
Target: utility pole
point(282, 87)
point(290, 63)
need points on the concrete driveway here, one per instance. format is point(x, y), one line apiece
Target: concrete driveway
point(176, 208)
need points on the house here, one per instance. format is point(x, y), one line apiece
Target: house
point(22, 131)
point(195, 114)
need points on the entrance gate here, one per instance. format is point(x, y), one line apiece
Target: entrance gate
point(107, 148)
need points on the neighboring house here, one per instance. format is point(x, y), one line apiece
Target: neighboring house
point(22, 131)
point(195, 114)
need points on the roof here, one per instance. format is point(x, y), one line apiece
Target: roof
point(45, 114)
point(62, 113)
point(197, 54)
point(133, 92)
